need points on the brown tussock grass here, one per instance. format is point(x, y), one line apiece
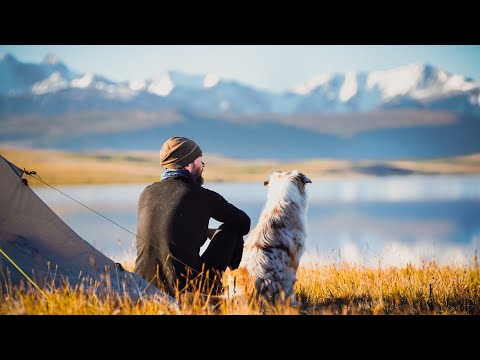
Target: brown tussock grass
point(342, 289)
point(426, 289)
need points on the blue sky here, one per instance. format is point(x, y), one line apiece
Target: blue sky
point(273, 67)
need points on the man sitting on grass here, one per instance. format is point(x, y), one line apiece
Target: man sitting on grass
point(173, 218)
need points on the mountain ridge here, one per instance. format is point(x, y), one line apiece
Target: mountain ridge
point(347, 116)
point(28, 87)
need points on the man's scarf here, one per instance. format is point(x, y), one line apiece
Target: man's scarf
point(173, 173)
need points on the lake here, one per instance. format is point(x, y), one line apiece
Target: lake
point(375, 221)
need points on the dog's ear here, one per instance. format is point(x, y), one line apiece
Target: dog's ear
point(305, 179)
point(266, 181)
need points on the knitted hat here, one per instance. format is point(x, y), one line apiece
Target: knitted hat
point(179, 151)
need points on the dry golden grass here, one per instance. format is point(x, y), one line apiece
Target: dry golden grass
point(427, 289)
point(329, 289)
point(69, 168)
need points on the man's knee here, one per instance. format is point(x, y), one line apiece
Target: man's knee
point(225, 249)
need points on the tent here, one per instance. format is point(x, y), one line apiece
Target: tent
point(49, 251)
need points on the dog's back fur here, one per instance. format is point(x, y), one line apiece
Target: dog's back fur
point(273, 248)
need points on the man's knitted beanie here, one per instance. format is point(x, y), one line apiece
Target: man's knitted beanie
point(179, 152)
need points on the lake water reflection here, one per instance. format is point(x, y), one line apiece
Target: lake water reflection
point(368, 221)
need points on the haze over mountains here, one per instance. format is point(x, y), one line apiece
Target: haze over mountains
point(415, 111)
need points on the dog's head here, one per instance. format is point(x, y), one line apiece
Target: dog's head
point(288, 185)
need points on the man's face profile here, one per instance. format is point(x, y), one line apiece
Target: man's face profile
point(196, 168)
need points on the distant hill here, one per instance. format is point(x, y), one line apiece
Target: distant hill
point(429, 135)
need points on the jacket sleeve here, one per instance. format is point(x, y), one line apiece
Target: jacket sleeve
point(232, 217)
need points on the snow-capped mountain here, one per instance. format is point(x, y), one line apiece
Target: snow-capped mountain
point(18, 77)
point(413, 86)
point(51, 88)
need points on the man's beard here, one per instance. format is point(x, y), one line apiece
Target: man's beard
point(199, 176)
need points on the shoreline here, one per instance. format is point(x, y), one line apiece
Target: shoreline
point(58, 167)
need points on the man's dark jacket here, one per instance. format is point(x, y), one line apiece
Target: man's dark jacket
point(173, 218)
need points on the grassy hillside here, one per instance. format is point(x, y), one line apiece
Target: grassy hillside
point(107, 167)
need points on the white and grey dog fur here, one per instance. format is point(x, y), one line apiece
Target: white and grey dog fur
point(273, 248)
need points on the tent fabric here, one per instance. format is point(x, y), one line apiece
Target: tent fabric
point(49, 251)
